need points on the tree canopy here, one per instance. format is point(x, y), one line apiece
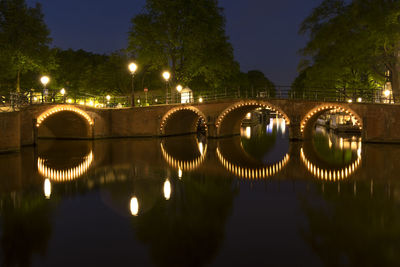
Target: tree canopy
point(353, 44)
point(187, 37)
point(24, 40)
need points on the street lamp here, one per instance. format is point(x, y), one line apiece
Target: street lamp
point(179, 89)
point(62, 91)
point(45, 80)
point(132, 68)
point(166, 75)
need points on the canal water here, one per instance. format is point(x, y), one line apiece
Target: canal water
point(250, 200)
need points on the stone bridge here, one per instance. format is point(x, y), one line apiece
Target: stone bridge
point(378, 122)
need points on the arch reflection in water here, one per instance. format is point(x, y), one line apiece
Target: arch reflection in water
point(167, 189)
point(134, 206)
point(185, 165)
point(65, 175)
point(253, 173)
point(331, 175)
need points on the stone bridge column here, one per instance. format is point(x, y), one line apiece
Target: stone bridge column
point(294, 130)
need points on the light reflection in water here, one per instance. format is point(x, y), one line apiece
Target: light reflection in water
point(167, 189)
point(185, 165)
point(47, 188)
point(253, 173)
point(134, 206)
point(331, 175)
point(65, 175)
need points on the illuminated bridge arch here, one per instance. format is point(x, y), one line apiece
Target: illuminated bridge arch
point(64, 121)
point(172, 122)
point(311, 117)
point(42, 117)
point(331, 175)
point(64, 175)
point(229, 121)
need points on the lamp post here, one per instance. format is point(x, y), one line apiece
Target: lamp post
point(179, 89)
point(45, 80)
point(132, 68)
point(166, 75)
point(62, 91)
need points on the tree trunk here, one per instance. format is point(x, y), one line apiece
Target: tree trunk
point(18, 81)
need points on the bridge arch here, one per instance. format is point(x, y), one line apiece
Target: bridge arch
point(230, 120)
point(311, 117)
point(64, 121)
point(182, 120)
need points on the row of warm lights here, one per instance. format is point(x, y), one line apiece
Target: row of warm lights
point(50, 112)
point(227, 111)
point(250, 173)
point(165, 119)
point(184, 165)
point(134, 202)
point(337, 108)
point(64, 175)
point(331, 175)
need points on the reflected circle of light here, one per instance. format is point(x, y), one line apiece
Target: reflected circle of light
point(327, 107)
point(47, 188)
point(253, 173)
point(331, 175)
point(174, 110)
point(134, 206)
point(60, 108)
point(64, 175)
point(222, 116)
point(184, 165)
point(167, 189)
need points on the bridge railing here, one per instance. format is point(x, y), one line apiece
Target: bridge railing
point(15, 101)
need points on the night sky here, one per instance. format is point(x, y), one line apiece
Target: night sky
point(264, 33)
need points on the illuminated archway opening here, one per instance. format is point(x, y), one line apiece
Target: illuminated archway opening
point(230, 120)
point(182, 120)
point(42, 117)
point(312, 116)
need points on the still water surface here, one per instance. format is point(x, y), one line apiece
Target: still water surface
point(251, 200)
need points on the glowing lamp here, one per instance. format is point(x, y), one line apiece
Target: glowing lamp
point(108, 97)
point(45, 80)
point(179, 88)
point(386, 93)
point(62, 91)
point(166, 75)
point(132, 67)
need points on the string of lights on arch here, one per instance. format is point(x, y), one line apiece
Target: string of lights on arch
point(253, 173)
point(57, 109)
point(173, 111)
point(67, 174)
point(251, 103)
point(335, 108)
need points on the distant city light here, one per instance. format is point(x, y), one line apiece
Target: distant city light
point(47, 188)
point(167, 189)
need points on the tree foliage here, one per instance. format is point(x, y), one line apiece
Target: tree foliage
point(185, 36)
point(352, 45)
point(24, 39)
